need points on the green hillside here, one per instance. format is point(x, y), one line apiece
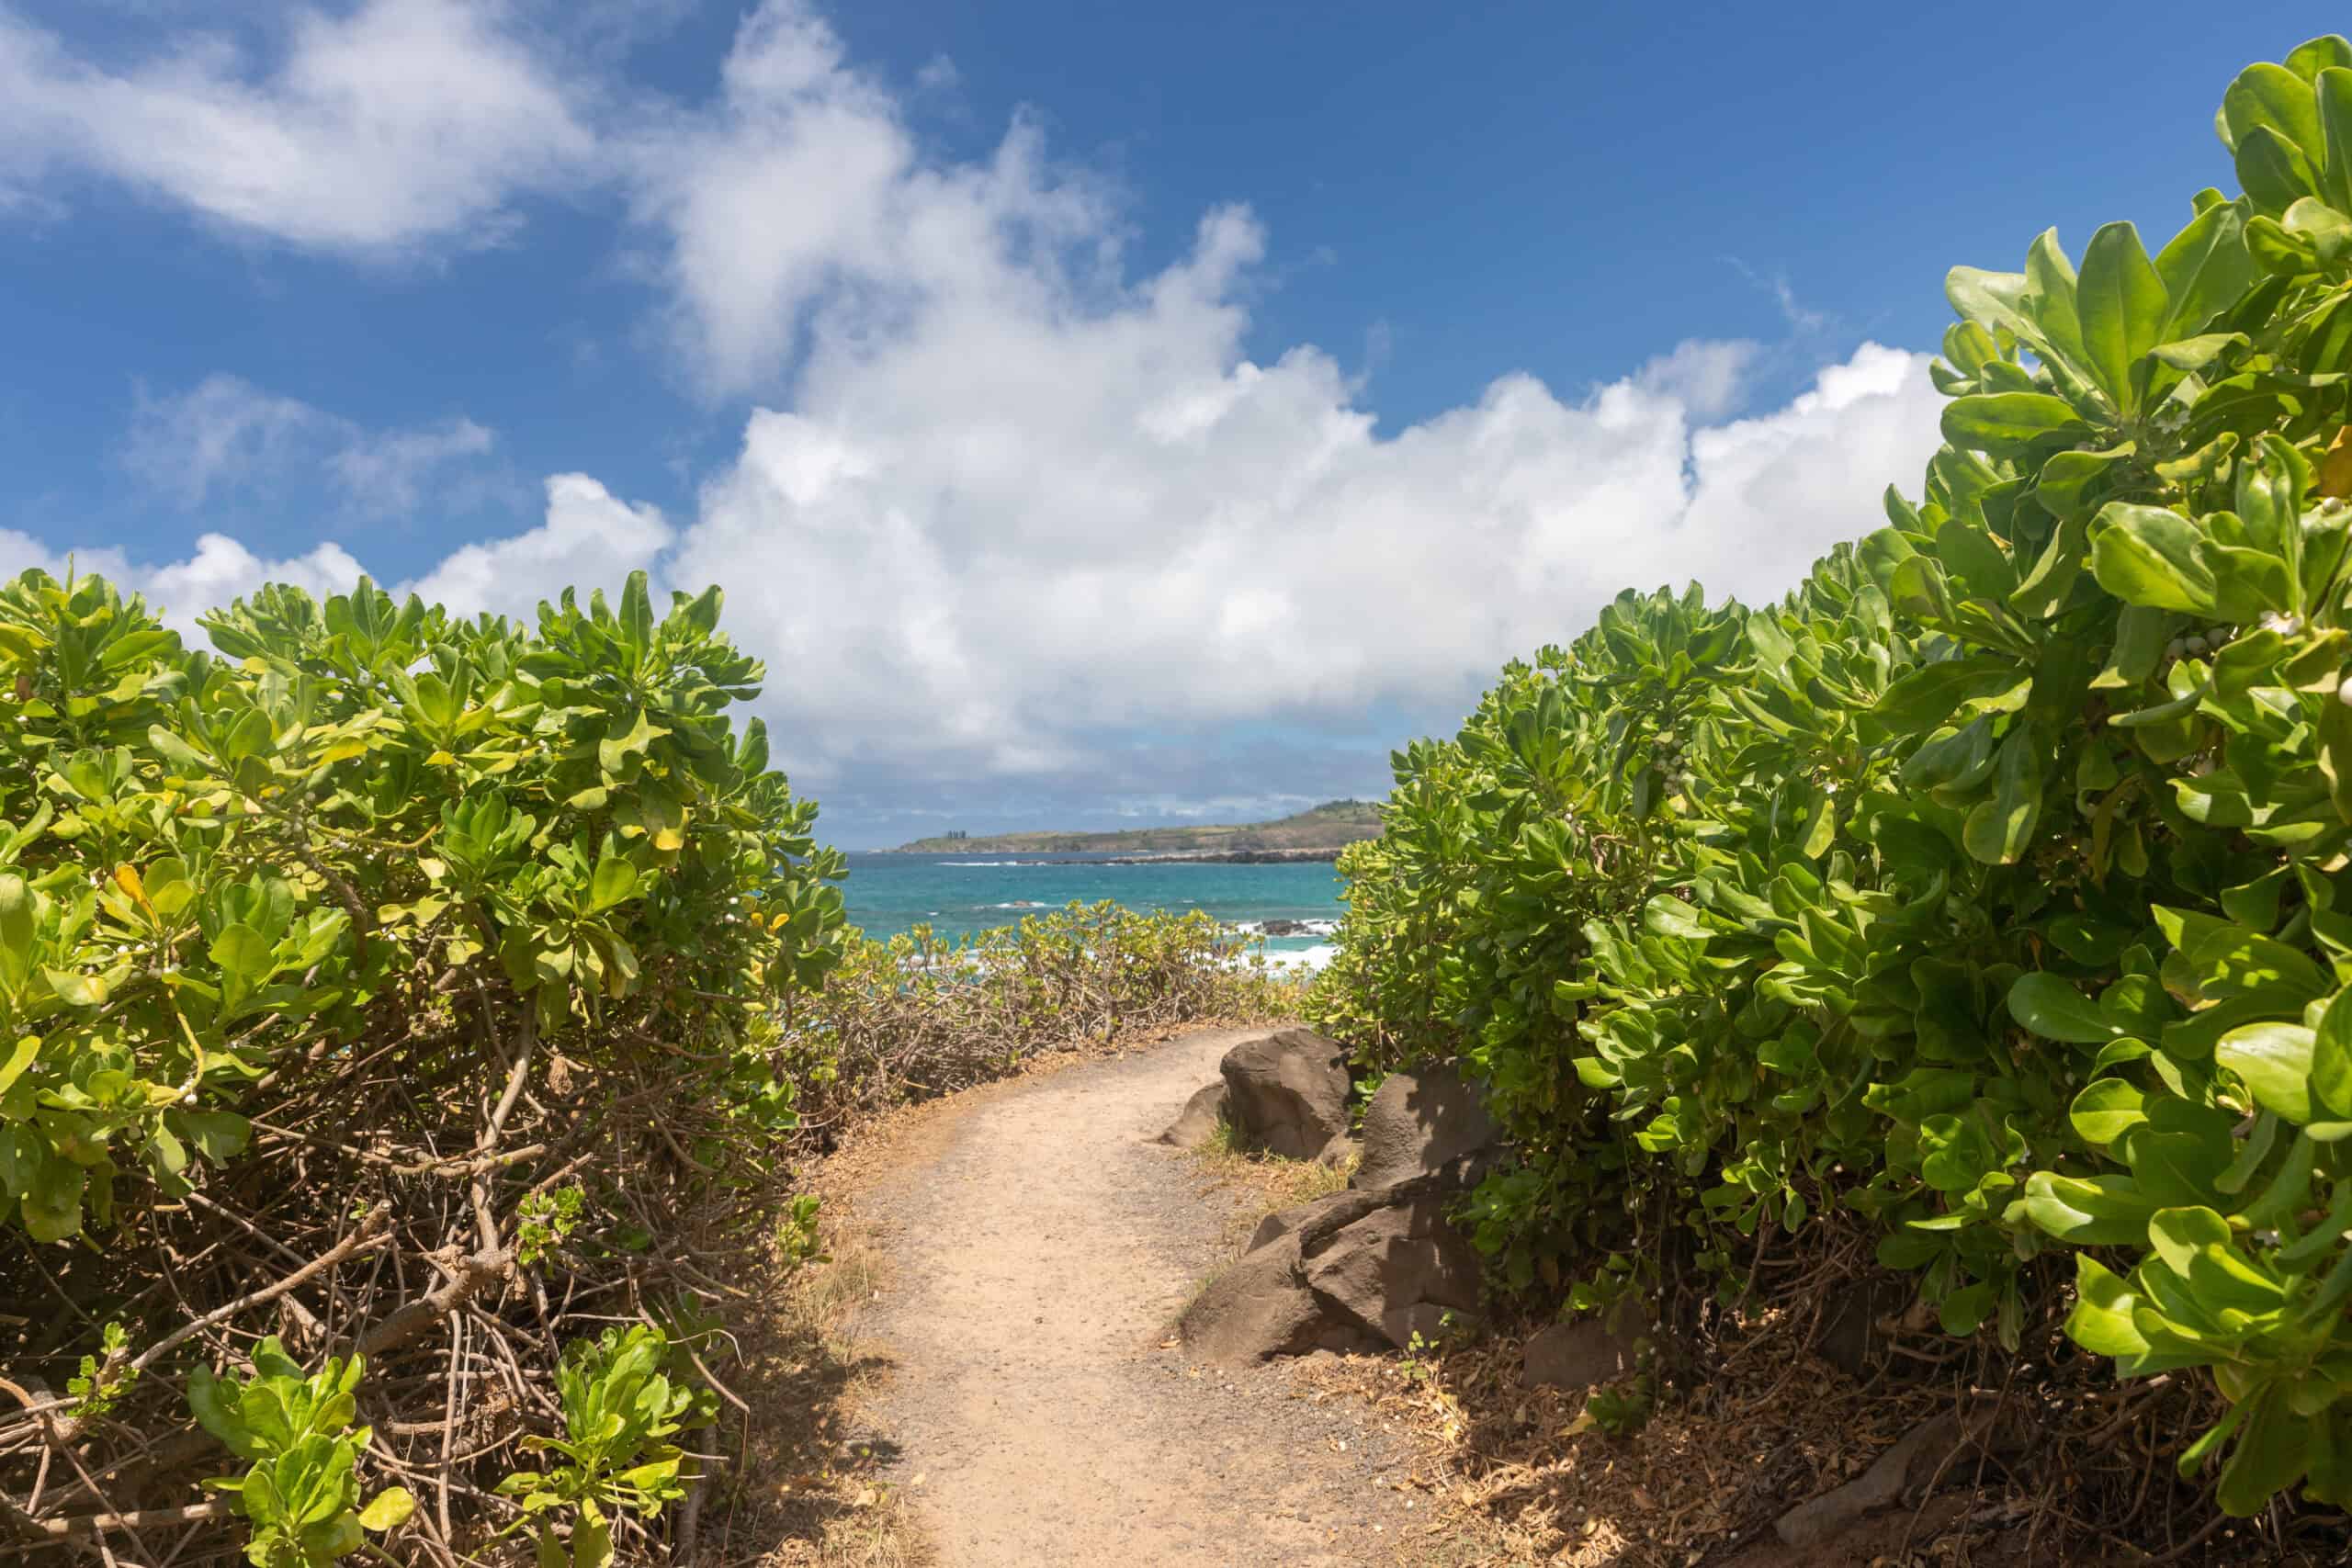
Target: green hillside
point(1330, 826)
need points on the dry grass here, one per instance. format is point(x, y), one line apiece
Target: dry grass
point(1261, 1183)
point(811, 1485)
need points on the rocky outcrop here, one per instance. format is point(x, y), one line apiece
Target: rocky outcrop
point(1349, 1206)
point(1262, 1308)
point(1376, 1264)
point(1422, 1122)
point(1197, 1122)
point(1396, 1271)
point(1575, 1357)
point(1286, 1091)
point(1375, 1267)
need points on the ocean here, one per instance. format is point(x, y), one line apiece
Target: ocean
point(958, 894)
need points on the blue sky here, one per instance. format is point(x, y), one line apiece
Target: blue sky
point(1094, 412)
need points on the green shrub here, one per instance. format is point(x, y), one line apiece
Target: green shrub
point(377, 936)
point(1994, 889)
point(914, 1016)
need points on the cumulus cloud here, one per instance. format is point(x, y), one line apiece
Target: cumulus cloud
point(801, 187)
point(374, 129)
point(1022, 516)
point(225, 433)
point(588, 538)
point(219, 570)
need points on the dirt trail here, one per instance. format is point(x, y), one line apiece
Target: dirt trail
point(1038, 1252)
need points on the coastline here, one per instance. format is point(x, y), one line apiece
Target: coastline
point(1326, 856)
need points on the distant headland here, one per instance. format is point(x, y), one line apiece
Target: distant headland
point(1317, 834)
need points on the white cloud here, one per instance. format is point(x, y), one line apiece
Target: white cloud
point(387, 471)
point(1021, 514)
point(802, 185)
point(588, 539)
point(225, 433)
point(219, 570)
point(375, 129)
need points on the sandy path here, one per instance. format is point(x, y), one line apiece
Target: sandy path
point(1038, 1254)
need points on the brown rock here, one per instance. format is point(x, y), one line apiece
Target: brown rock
point(1853, 1333)
point(1337, 1208)
point(1578, 1355)
point(1422, 1122)
point(1262, 1308)
point(1394, 1271)
point(1287, 1091)
point(1199, 1118)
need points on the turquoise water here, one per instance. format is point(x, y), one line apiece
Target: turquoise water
point(956, 894)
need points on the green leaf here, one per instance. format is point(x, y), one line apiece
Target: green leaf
point(614, 883)
point(2146, 555)
point(2275, 171)
point(2105, 1210)
point(2010, 423)
point(2205, 271)
point(1998, 831)
point(2055, 1011)
point(245, 953)
point(636, 614)
point(2124, 306)
point(2272, 1452)
point(2101, 1318)
point(2334, 95)
point(19, 1058)
point(592, 1543)
point(2107, 1109)
point(1666, 916)
point(2331, 1070)
point(77, 990)
point(175, 751)
point(2272, 98)
point(387, 1509)
point(2275, 1061)
point(2049, 300)
point(52, 1205)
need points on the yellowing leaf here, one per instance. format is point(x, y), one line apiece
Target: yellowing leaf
point(2334, 476)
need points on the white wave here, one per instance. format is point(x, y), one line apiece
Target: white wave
point(1306, 960)
point(976, 862)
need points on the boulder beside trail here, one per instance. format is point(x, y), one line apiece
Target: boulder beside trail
point(1198, 1119)
point(1396, 1271)
point(1348, 1207)
point(1286, 1091)
point(1262, 1308)
point(1372, 1270)
point(1424, 1122)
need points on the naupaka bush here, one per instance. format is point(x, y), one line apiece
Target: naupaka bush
point(431, 964)
point(1996, 886)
